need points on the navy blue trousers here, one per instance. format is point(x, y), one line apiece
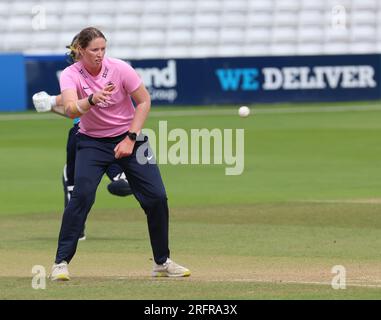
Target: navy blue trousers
point(93, 157)
point(68, 176)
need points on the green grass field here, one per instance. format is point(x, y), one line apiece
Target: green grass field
point(308, 199)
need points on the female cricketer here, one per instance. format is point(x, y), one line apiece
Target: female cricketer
point(101, 90)
point(43, 102)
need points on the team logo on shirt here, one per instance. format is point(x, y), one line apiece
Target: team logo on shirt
point(83, 73)
point(104, 74)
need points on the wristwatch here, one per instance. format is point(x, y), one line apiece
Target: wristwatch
point(90, 99)
point(131, 135)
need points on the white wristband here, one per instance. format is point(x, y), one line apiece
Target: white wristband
point(53, 101)
point(80, 109)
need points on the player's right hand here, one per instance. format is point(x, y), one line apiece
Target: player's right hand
point(41, 101)
point(101, 98)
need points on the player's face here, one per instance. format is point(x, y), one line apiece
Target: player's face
point(94, 53)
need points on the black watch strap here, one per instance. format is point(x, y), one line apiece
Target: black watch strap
point(131, 135)
point(90, 99)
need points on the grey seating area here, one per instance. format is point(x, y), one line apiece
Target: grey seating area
point(195, 28)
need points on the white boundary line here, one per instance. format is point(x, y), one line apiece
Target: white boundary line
point(21, 117)
point(354, 283)
point(348, 201)
point(349, 283)
point(320, 283)
point(210, 112)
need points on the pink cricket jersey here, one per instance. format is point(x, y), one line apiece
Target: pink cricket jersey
point(115, 117)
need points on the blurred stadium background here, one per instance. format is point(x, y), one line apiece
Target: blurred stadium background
point(309, 196)
point(202, 35)
point(199, 28)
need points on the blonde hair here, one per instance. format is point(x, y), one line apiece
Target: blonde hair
point(87, 35)
point(82, 40)
point(73, 54)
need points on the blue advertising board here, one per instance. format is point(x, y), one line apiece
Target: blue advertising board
point(243, 80)
point(43, 74)
point(295, 79)
point(12, 83)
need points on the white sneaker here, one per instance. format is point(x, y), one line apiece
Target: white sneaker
point(82, 238)
point(169, 269)
point(60, 272)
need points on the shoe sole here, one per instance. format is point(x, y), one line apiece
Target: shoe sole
point(167, 275)
point(82, 239)
point(61, 277)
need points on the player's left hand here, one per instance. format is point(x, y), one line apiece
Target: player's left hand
point(41, 101)
point(124, 148)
